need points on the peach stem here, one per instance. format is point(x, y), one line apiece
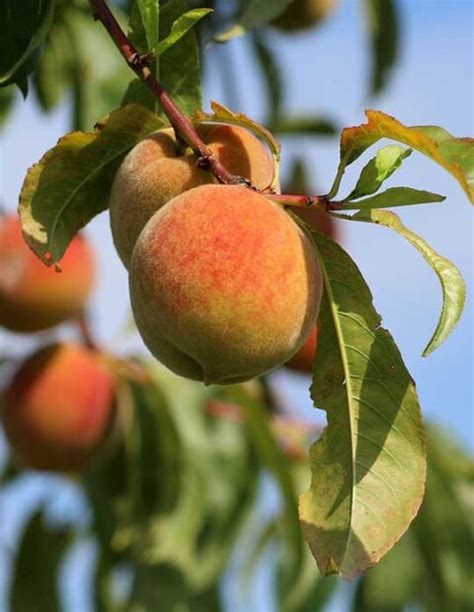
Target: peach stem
point(182, 125)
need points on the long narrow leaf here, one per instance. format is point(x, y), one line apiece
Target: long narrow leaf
point(452, 283)
point(368, 467)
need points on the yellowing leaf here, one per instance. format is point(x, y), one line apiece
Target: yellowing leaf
point(71, 182)
point(456, 155)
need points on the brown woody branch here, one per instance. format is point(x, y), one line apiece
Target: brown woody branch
point(183, 127)
point(181, 124)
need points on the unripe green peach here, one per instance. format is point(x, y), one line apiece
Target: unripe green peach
point(59, 408)
point(157, 170)
point(34, 297)
point(303, 14)
point(224, 285)
point(303, 360)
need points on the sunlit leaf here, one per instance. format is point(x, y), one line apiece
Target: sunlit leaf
point(368, 467)
point(35, 572)
point(182, 57)
point(452, 283)
point(23, 27)
point(395, 196)
point(71, 182)
point(382, 19)
point(180, 26)
point(144, 25)
point(456, 155)
point(379, 168)
point(255, 13)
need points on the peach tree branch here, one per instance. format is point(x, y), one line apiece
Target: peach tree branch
point(182, 125)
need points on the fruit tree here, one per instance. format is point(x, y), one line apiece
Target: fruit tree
point(184, 454)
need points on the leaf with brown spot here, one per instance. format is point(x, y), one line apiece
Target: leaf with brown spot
point(71, 183)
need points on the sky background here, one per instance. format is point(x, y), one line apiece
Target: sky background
point(326, 72)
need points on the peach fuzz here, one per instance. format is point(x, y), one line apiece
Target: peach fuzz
point(224, 285)
point(157, 170)
point(58, 408)
point(34, 297)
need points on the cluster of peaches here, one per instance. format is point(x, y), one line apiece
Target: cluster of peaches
point(224, 287)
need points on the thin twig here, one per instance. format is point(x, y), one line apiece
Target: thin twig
point(182, 125)
point(304, 201)
point(86, 331)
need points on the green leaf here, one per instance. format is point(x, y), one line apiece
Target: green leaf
point(452, 283)
point(154, 462)
point(368, 467)
point(71, 182)
point(255, 13)
point(316, 126)
point(23, 27)
point(443, 530)
point(217, 482)
point(395, 196)
point(382, 17)
point(390, 586)
point(7, 100)
point(34, 584)
point(271, 74)
point(272, 457)
point(177, 69)
point(429, 569)
point(180, 27)
point(9, 472)
point(55, 66)
point(164, 587)
point(387, 160)
point(144, 25)
point(98, 85)
point(456, 155)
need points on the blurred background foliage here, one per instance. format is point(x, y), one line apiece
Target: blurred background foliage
point(181, 499)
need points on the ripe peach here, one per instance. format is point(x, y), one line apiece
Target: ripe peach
point(58, 408)
point(34, 297)
point(303, 360)
point(303, 14)
point(156, 170)
point(224, 285)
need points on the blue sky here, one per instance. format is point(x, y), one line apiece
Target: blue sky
point(326, 71)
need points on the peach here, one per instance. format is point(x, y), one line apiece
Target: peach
point(303, 14)
point(224, 285)
point(34, 297)
point(58, 408)
point(303, 360)
point(157, 170)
